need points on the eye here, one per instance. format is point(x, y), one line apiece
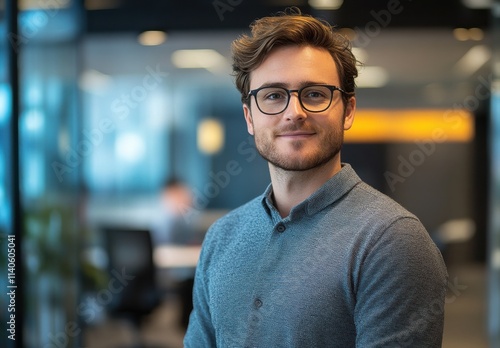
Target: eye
point(273, 94)
point(315, 93)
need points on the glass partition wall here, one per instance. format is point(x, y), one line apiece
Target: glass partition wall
point(8, 324)
point(38, 136)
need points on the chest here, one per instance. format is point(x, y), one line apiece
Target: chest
point(288, 274)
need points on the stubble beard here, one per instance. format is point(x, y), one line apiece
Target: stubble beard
point(332, 142)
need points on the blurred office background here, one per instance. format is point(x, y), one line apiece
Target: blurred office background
point(101, 101)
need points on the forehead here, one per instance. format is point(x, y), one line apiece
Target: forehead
point(291, 65)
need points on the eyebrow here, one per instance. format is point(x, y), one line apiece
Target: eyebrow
point(287, 86)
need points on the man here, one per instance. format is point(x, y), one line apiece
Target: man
point(173, 227)
point(320, 259)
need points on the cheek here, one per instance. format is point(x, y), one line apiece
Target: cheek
point(332, 125)
point(261, 125)
point(264, 134)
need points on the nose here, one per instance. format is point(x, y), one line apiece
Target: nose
point(294, 110)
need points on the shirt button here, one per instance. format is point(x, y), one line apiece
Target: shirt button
point(280, 228)
point(257, 303)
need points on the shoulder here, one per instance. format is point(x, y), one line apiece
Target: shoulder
point(378, 225)
point(378, 205)
point(390, 233)
point(234, 224)
point(365, 201)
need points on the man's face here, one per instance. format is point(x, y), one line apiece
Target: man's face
point(296, 139)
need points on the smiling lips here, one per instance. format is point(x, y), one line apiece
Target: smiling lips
point(296, 134)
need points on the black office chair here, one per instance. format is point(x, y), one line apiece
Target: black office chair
point(135, 293)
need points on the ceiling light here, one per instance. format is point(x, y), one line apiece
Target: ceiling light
point(326, 4)
point(152, 38)
point(40, 5)
point(372, 77)
point(476, 34)
point(472, 60)
point(477, 4)
point(461, 34)
point(196, 59)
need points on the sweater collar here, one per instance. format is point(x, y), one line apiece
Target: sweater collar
point(331, 191)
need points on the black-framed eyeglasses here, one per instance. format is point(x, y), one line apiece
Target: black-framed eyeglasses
point(275, 100)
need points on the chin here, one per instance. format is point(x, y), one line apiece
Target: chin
point(300, 165)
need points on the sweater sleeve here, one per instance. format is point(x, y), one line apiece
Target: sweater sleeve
point(200, 332)
point(401, 289)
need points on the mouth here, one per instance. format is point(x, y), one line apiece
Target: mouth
point(296, 135)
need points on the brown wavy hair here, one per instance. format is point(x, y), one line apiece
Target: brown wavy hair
point(287, 28)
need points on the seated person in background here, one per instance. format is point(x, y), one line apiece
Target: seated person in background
point(176, 225)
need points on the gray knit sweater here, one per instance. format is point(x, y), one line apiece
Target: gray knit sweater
point(348, 267)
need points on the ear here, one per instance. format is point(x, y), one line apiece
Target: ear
point(350, 110)
point(248, 118)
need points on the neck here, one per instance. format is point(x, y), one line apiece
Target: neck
point(292, 187)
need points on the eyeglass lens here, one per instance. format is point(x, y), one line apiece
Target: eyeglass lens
point(274, 100)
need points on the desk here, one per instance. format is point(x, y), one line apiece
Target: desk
point(175, 256)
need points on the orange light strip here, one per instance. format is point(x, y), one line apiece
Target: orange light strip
point(447, 125)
